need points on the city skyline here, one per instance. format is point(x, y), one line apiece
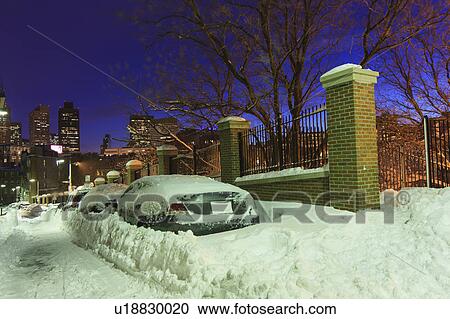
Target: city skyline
point(45, 74)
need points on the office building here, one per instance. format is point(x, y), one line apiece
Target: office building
point(69, 128)
point(146, 131)
point(40, 125)
point(5, 118)
point(15, 129)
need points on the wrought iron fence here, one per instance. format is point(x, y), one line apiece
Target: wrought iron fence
point(150, 168)
point(401, 160)
point(287, 142)
point(207, 161)
point(438, 150)
point(204, 161)
point(412, 155)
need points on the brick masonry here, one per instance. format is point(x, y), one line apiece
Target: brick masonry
point(352, 146)
point(313, 191)
point(229, 131)
point(352, 183)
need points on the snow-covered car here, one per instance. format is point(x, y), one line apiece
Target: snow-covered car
point(185, 202)
point(102, 198)
point(19, 205)
point(75, 197)
point(31, 211)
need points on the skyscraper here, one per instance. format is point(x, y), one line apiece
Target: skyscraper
point(54, 139)
point(5, 117)
point(15, 129)
point(69, 128)
point(147, 131)
point(106, 143)
point(40, 125)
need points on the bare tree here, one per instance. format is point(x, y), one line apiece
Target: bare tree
point(418, 75)
point(389, 24)
point(254, 57)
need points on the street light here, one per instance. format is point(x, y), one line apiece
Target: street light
point(17, 189)
point(60, 161)
point(1, 193)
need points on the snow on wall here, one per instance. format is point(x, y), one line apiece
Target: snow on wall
point(283, 173)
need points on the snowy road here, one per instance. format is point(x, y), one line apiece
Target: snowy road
point(38, 260)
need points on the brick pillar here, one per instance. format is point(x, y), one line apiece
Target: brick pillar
point(352, 137)
point(165, 153)
point(133, 167)
point(229, 129)
point(112, 177)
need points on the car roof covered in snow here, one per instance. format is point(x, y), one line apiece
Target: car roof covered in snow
point(170, 185)
point(108, 188)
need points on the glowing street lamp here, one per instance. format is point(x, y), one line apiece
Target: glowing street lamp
point(61, 161)
point(33, 180)
point(1, 193)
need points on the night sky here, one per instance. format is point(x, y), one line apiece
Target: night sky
point(34, 71)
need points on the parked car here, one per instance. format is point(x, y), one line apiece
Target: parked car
point(30, 211)
point(75, 197)
point(102, 198)
point(186, 202)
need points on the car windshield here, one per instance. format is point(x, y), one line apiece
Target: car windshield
point(78, 196)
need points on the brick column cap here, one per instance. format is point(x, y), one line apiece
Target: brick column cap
point(346, 73)
point(233, 122)
point(134, 165)
point(167, 149)
point(113, 174)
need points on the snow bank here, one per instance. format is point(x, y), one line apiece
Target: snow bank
point(283, 173)
point(179, 264)
point(163, 258)
point(407, 259)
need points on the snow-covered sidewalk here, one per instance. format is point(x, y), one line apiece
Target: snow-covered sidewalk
point(39, 260)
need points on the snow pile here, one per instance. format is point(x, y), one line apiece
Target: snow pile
point(283, 173)
point(180, 264)
point(163, 258)
point(429, 213)
point(407, 259)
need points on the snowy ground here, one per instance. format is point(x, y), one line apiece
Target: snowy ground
point(407, 259)
point(39, 260)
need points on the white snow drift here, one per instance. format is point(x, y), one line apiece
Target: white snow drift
point(407, 259)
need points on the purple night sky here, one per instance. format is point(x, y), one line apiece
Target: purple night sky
point(34, 71)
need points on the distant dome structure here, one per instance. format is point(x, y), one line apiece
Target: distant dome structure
point(134, 165)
